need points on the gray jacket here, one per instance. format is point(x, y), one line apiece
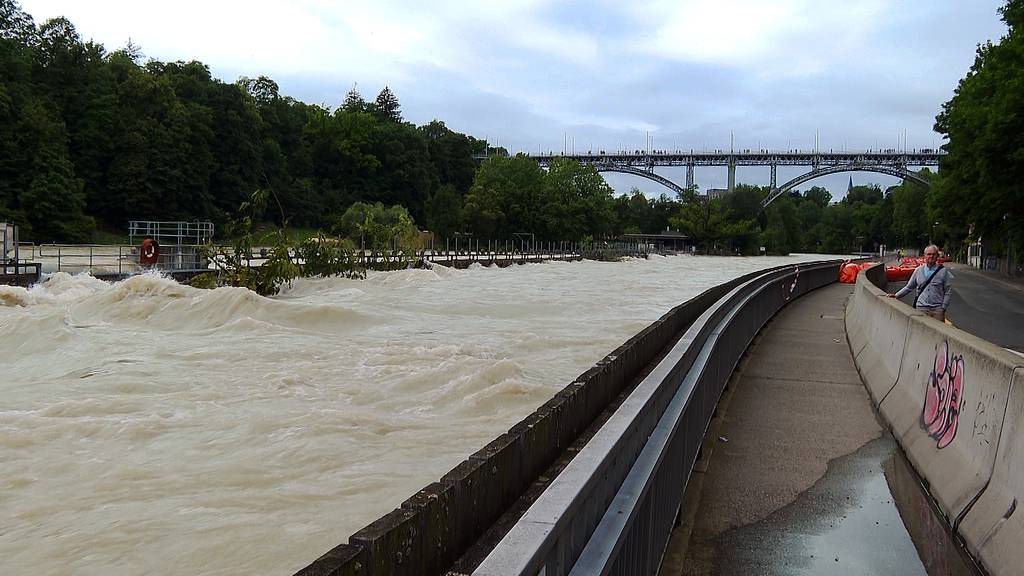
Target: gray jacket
point(936, 294)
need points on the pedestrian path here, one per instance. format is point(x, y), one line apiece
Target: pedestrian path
point(796, 480)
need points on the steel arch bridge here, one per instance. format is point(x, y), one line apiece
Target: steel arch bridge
point(642, 163)
point(903, 173)
point(649, 174)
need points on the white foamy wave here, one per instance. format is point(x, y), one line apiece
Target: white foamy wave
point(14, 296)
point(330, 289)
point(443, 271)
point(404, 278)
point(161, 303)
point(57, 288)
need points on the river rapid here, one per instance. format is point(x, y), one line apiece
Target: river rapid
point(149, 427)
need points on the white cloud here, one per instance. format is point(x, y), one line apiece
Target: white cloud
point(778, 38)
point(604, 71)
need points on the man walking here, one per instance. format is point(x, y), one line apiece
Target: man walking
point(933, 283)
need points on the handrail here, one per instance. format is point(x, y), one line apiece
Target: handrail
point(621, 492)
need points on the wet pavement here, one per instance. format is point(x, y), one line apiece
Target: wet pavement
point(846, 524)
point(801, 475)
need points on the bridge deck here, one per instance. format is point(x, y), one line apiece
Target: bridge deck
point(799, 480)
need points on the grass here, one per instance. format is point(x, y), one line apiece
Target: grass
point(295, 234)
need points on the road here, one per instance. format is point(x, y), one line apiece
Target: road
point(986, 304)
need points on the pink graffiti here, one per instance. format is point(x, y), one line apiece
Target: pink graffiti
point(943, 396)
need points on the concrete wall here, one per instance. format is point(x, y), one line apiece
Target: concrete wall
point(951, 402)
point(430, 530)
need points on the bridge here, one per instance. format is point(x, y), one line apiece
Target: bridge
point(640, 163)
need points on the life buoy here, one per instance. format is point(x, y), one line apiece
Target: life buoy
point(149, 252)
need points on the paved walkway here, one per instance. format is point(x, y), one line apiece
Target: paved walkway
point(796, 482)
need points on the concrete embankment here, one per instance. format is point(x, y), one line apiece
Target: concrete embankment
point(955, 404)
point(432, 529)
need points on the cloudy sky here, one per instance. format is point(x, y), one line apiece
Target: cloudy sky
point(540, 75)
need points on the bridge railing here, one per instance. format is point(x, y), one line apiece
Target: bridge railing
point(613, 507)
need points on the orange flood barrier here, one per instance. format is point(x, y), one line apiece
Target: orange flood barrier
point(898, 273)
point(848, 272)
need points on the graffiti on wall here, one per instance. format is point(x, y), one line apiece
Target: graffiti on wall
point(985, 415)
point(943, 396)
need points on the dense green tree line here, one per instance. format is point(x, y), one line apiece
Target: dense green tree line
point(94, 138)
point(979, 192)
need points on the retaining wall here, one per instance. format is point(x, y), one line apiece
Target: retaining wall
point(430, 530)
point(951, 402)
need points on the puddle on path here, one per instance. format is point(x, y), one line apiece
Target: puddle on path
point(848, 523)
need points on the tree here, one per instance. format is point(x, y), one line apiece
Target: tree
point(386, 105)
point(15, 24)
point(377, 228)
point(444, 211)
point(703, 221)
point(909, 215)
point(819, 196)
point(505, 197)
point(978, 186)
point(575, 202)
point(53, 200)
point(354, 101)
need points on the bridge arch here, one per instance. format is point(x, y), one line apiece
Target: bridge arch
point(898, 172)
point(625, 169)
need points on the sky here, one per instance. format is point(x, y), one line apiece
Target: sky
point(544, 75)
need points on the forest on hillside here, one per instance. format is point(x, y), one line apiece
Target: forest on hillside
point(91, 138)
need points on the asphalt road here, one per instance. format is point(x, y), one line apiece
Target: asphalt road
point(986, 304)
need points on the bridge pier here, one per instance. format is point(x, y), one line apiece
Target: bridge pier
point(689, 176)
point(732, 174)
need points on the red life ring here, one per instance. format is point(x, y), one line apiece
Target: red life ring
point(149, 253)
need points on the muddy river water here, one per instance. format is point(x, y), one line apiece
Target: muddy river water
point(149, 427)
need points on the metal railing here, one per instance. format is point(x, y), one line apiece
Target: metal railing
point(176, 233)
point(612, 509)
point(114, 259)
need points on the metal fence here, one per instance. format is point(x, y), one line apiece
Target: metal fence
point(171, 233)
point(613, 508)
point(114, 259)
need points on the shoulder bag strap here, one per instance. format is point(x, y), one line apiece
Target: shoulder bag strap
point(920, 289)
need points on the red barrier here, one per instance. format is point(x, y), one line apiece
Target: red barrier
point(848, 273)
point(898, 273)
